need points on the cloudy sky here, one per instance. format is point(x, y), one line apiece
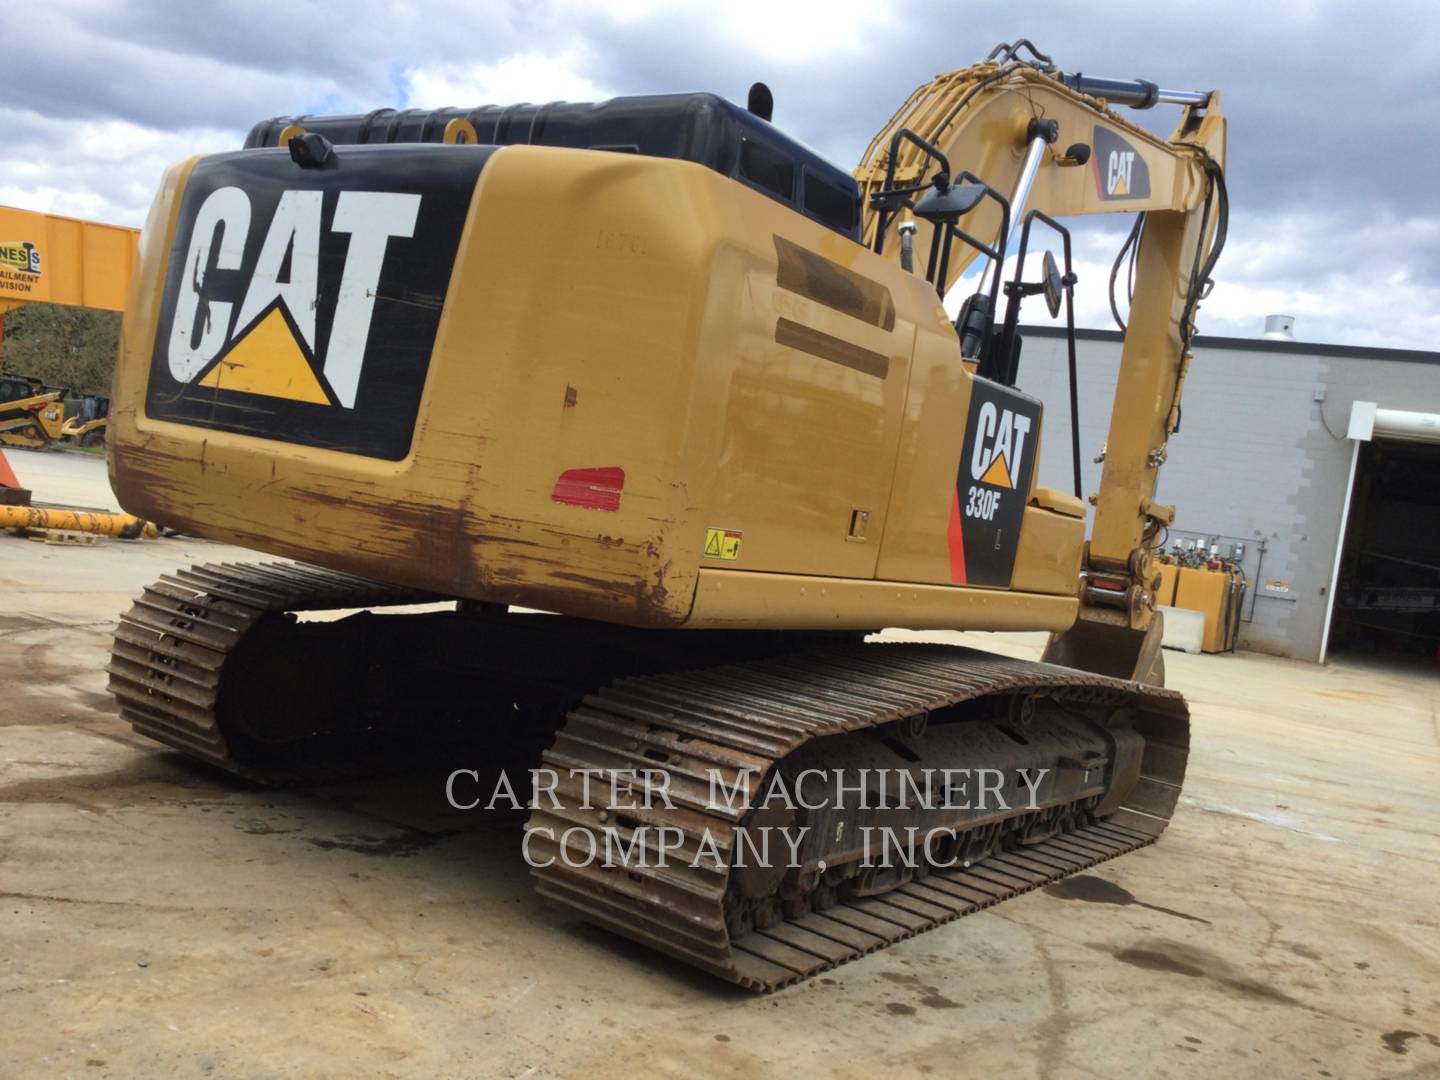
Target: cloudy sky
point(1334, 106)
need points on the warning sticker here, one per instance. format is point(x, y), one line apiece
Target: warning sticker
point(722, 544)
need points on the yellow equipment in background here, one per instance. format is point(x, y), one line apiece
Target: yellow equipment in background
point(45, 258)
point(85, 432)
point(30, 415)
point(88, 419)
point(36, 416)
point(1169, 576)
point(655, 367)
point(1217, 593)
point(1201, 576)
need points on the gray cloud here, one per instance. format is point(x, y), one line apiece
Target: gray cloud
point(1334, 107)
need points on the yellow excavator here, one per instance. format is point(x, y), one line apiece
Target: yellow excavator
point(671, 409)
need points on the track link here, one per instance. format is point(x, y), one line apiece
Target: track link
point(741, 720)
point(170, 649)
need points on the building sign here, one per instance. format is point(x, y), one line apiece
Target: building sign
point(19, 267)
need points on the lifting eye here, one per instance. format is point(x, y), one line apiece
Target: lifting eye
point(460, 132)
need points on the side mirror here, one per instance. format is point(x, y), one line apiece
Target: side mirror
point(1054, 285)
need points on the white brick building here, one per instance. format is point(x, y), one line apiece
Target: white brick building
point(1254, 461)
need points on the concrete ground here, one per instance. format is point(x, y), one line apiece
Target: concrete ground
point(157, 918)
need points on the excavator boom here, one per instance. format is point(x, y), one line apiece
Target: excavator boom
point(1052, 143)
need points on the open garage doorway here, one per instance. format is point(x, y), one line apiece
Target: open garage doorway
point(1386, 600)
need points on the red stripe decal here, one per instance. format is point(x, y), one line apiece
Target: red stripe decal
point(955, 536)
point(594, 489)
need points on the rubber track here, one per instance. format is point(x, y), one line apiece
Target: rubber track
point(167, 660)
point(748, 716)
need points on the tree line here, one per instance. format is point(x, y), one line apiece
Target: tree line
point(62, 346)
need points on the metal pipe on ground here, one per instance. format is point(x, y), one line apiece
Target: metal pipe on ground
point(122, 526)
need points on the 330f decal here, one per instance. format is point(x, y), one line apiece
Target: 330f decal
point(991, 485)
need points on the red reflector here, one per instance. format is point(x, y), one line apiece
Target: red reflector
point(594, 489)
point(1113, 584)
